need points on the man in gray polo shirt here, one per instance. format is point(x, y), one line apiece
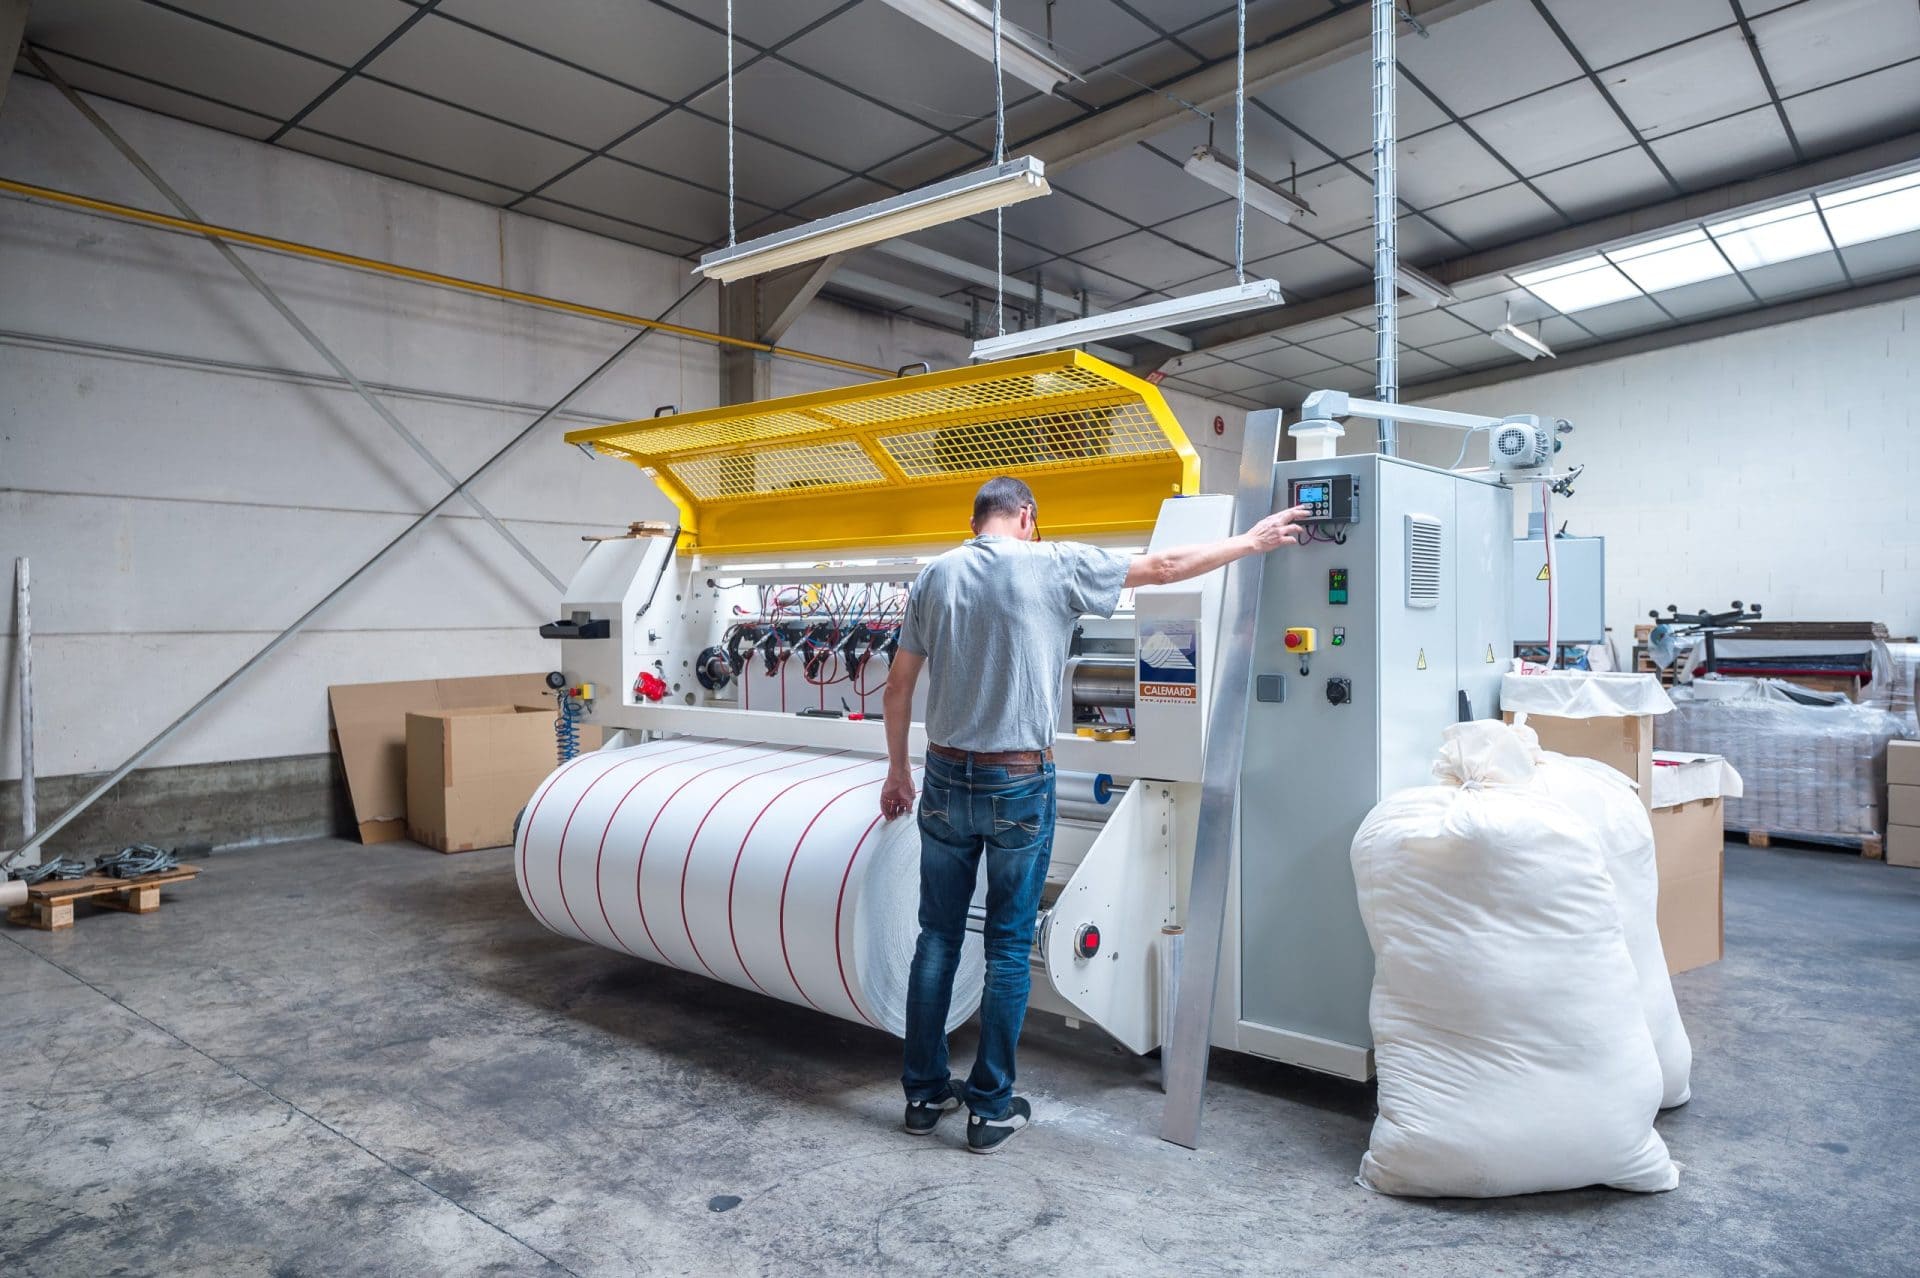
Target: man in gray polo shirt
point(991, 622)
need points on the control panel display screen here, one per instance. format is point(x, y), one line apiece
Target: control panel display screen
point(1329, 499)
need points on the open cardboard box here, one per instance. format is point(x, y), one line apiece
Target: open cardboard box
point(471, 769)
point(370, 732)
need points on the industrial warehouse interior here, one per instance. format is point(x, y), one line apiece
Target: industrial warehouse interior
point(616, 606)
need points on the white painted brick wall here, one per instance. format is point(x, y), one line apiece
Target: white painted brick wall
point(1776, 466)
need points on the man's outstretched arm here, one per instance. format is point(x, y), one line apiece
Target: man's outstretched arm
point(1184, 562)
point(896, 796)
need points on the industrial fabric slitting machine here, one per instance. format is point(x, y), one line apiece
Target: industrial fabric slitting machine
point(730, 826)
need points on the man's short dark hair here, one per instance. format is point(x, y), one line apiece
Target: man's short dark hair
point(1002, 495)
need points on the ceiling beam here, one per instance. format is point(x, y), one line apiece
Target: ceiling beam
point(1344, 34)
point(13, 30)
point(1584, 236)
point(1899, 288)
point(968, 272)
point(784, 296)
point(901, 295)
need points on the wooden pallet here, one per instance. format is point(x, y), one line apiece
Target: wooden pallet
point(50, 905)
point(1870, 848)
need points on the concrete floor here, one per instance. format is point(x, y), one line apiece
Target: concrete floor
point(323, 1058)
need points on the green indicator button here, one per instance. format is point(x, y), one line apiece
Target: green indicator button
point(1339, 635)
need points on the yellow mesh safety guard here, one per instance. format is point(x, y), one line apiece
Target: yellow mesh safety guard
point(897, 462)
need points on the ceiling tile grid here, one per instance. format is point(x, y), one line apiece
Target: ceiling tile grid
point(1517, 117)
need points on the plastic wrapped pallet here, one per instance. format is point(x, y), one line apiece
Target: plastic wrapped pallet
point(1512, 1052)
point(1604, 799)
point(1810, 771)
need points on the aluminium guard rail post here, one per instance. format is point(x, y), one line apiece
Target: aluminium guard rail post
point(1184, 1058)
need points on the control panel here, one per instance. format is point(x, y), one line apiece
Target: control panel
point(1329, 499)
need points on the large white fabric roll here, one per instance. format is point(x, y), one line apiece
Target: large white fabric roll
point(766, 867)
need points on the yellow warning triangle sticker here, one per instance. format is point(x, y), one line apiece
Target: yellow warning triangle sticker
point(1489, 654)
point(1422, 663)
point(1542, 576)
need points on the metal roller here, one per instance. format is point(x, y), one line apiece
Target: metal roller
point(1105, 682)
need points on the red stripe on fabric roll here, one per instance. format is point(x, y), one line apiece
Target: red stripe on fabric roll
point(839, 956)
point(526, 834)
point(735, 875)
point(641, 863)
point(788, 879)
point(560, 849)
point(687, 863)
point(599, 896)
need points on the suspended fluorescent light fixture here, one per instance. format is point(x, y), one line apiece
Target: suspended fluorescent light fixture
point(1418, 283)
point(948, 201)
point(1022, 55)
point(1219, 171)
point(1253, 295)
point(1521, 342)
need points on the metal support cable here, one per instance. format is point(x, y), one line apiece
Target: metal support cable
point(1386, 236)
point(999, 214)
point(219, 690)
point(733, 227)
point(299, 326)
point(1240, 150)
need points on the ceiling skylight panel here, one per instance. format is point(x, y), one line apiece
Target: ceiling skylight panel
point(1873, 211)
point(1777, 235)
point(1578, 285)
point(1671, 262)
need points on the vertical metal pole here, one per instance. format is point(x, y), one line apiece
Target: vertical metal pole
point(312, 338)
point(1386, 235)
point(23, 660)
point(1183, 1059)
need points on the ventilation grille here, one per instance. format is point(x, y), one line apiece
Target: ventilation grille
point(1423, 561)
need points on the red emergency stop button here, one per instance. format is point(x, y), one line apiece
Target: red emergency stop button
point(1086, 941)
point(1294, 640)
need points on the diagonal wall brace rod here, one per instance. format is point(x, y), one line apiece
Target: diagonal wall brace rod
point(312, 338)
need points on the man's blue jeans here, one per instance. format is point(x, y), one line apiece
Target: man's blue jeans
point(967, 811)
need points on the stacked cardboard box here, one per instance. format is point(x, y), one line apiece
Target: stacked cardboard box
point(1903, 803)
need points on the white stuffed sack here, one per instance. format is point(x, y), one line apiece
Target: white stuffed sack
point(1511, 1050)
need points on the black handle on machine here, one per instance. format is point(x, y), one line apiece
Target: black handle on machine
point(580, 626)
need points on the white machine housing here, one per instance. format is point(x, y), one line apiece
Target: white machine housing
point(1298, 966)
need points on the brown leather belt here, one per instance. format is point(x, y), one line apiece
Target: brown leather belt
point(994, 758)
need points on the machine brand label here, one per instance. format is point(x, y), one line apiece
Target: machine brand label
point(1170, 661)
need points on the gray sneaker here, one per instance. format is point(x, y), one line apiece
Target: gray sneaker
point(990, 1135)
point(924, 1116)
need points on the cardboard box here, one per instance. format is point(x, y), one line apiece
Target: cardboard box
point(1903, 804)
point(1622, 742)
point(1688, 842)
point(470, 770)
point(370, 732)
point(1903, 766)
point(1903, 845)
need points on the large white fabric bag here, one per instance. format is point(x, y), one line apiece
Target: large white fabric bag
point(1605, 799)
point(1511, 1050)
